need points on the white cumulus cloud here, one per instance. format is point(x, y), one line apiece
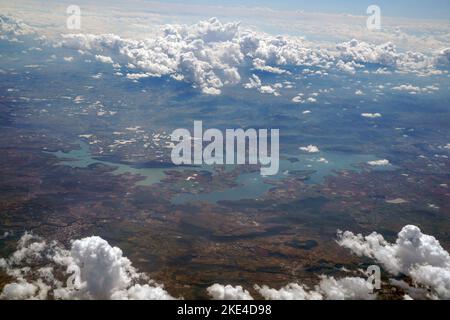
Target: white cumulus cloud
point(209, 54)
point(371, 115)
point(11, 28)
point(91, 269)
point(378, 163)
point(104, 59)
point(329, 288)
point(310, 149)
point(228, 292)
point(413, 254)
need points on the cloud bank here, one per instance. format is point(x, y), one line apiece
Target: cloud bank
point(11, 28)
point(91, 269)
point(414, 254)
point(329, 288)
point(228, 292)
point(209, 55)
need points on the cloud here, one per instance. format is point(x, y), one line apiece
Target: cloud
point(23, 290)
point(91, 269)
point(413, 254)
point(104, 59)
point(292, 291)
point(382, 71)
point(142, 18)
point(205, 54)
point(386, 55)
point(329, 288)
point(349, 288)
point(375, 163)
point(142, 292)
point(254, 82)
point(259, 64)
point(209, 54)
point(408, 87)
point(347, 67)
point(310, 149)
point(443, 58)
point(371, 115)
point(415, 89)
point(136, 76)
point(298, 99)
point(11, 28)
point(228, 292)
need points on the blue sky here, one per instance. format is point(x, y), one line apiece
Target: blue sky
point(429, 9)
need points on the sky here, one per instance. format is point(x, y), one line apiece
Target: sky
point(427, 9)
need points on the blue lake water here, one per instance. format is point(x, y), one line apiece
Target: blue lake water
point(82, 158)
point(253, 185)
point(250, 185)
